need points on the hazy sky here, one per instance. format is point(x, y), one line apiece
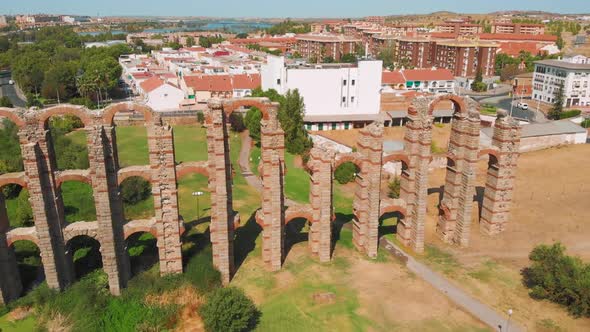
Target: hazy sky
point(282, 8)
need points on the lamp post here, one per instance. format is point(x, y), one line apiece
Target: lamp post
point(508, 321)
point(198, 194)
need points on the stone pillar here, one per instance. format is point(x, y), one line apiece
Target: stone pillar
point(39, 165)
point(165, 191)
point(10, 283)
point(109, 207)
point(501, 175)
point(220, 186)
point(368, 199)
point(414, 179)
point(273, 199)
point(468, 177)
point(320, 233)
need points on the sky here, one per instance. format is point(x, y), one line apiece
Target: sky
point(281, 8)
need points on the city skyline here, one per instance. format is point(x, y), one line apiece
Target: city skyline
point(300, 9)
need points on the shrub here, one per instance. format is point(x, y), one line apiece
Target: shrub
point(201, 117)
point(134, 190)
point(236, 121)
point(559, 278)
point(5, 102)
point(84, 101)
point(394, 188)
point(229, 310)
point(586, 123)
point(569, 114)
point(345, 173)
point(252, 122)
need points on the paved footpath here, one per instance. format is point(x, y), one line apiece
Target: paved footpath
point(499, 322)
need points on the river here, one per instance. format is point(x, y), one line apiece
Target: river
point(222, 26)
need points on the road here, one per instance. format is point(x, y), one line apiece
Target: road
point(503, 101)
point(499, 322)
point(9, 91)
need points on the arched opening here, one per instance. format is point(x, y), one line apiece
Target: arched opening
point(10, 153)
point(85, 253)
point(388, 224)
point(296, 231)
point(131, 137)
point(15, 200)
point(138, 202)
point(343, 198)
point(143, 252)
point(30, 265)
point(194, 205)
point(69, 141)
point(78, 201)
point(190, 143)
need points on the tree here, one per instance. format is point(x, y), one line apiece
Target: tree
point(559, 278)
point(328, 59)
point(348, 58)
point(135, 190)
point(386, 56)
point(557, 109)
point(252, 122)
point(478, 85)
point(242, 35)
point(291, 112)
point(346, 172)
point(236, 121)
point(190, 41)
point(394, 188)
point(229, 310)
point(5, 102)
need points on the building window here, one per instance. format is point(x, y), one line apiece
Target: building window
point(333, 125)
point(320, 126)
point(344, 82)
point(278, 81)
point(343, 99)
point(308, 126)
point(346, 125)
point(352, 82)
point(352, 99)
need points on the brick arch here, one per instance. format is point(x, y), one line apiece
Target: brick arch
point(402, 157)
point(492, 152)
point(12, 116)
point(110, 111)
point(81, 228)
point(79, 111)
point(354, 158)
point(389, 208)
point(75, 175)
point(132, 171)
point(263, 104)
point(18, 179)
point(140, 229)
point(12, 238)
point(298, 213)
point(189, 168)
point(460, 106)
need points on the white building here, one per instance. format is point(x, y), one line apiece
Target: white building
point(161, 96)
point(336, 96)
point(572, 73)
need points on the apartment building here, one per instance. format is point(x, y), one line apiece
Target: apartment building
point(415, 52)
point(431, 80)
point(572, 74)
point(459, 28)
point(337, 96)
point(466, 58)
point(524, 28)
point(326, 45)
point(3, 21)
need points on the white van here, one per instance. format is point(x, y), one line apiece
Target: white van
point(523, 106)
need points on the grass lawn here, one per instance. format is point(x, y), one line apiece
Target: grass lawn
point(78, 201)
point(132, 146)
point(78, 137)
point(187, 203)
point(24, 325)
point(297, 180)
point(190, 143)
point(144, 209)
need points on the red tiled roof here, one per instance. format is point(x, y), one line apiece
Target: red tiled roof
point(151, 84)
point(392, 77)
point(141, 75)
point(246, 81)
point(193, 49)
point(517, 36)
point(514, 48)
point(428, 75)
point(214, 83)
point(443, 35)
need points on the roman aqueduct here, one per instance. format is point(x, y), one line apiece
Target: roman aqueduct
point(51, 232)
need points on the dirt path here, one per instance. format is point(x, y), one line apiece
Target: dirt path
point(457, 295)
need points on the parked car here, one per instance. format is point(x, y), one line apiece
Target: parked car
point(11, 82)
point(523, 106)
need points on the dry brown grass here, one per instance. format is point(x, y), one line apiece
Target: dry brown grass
point(188, 319)
point(550, 204)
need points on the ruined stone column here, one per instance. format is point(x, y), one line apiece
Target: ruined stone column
point(109, 207)
point(39, 165)
point(165, 191)
point(273, 198)
point(468, 176)
point(220, 181)
point(370, 146)
point(10, 282)
point(414, 179)
point(501, 175)
point(320, 232)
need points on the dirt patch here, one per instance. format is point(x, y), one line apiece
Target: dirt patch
point(440, 135)
point(189, 300)
point(19, 313)
point(550, 204)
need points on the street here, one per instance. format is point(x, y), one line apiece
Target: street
point(503, 102)
point(9, 91)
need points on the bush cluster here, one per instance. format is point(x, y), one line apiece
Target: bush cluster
point(560, 278)
point(569, 114)
point(345, 173)
point(229, 310)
